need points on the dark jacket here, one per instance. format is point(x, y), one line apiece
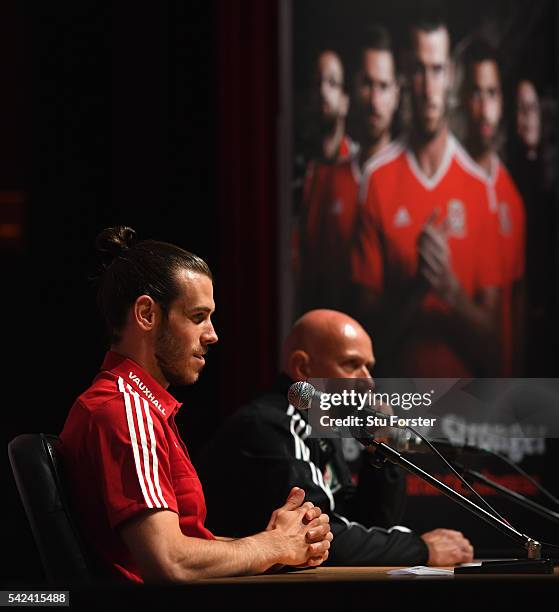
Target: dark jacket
point(264, 450)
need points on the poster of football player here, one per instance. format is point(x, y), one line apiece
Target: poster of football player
point(422, 180)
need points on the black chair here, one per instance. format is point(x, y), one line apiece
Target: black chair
point(41, 484)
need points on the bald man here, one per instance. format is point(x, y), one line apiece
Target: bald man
point(265, 449)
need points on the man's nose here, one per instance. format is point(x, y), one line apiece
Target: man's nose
point(484, 108)
point(374, 98)
point(429, 83)
point(210, 336)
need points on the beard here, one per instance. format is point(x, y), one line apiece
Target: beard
point(488, 142)
point(170, 355)
point(481, 143)
point(327, 123)
point(425, 128)
point(429, 130)
point(374, 132)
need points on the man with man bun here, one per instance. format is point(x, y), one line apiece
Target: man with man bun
point(137, 496)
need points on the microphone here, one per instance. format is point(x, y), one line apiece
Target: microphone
point(301, 394)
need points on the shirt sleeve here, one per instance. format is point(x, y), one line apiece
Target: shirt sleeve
point(130, 452)
point(354, 545)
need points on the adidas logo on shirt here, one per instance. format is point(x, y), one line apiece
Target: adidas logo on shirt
point(402, 217)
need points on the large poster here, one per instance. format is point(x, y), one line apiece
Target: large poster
point(422, 182)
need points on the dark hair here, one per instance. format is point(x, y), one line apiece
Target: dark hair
point(427, 16)
point(133, 268)
point(374, 37)
point(377, 37)
point(479, 50)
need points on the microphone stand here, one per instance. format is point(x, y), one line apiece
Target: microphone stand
point(534, 565)
point(521, 500)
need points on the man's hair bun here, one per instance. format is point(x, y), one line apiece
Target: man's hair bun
point(112, 241)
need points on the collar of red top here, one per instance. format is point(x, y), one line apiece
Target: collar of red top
point(345, 148)
point(161, 401)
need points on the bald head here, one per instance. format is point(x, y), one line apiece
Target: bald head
point(327, 344)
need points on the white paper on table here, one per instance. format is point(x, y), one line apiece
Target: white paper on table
point(421, 570)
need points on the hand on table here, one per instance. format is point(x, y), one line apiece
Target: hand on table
point(447, 547)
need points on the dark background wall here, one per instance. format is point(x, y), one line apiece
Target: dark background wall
point(159, 117)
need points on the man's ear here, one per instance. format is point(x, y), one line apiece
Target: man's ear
point(299, 365)
point(145, 312)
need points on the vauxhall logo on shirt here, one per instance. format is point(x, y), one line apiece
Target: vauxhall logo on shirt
point(144, 389)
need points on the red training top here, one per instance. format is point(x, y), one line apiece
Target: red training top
point(397, 200)
point(322, 237)
point(124, 456)
point(512, 229)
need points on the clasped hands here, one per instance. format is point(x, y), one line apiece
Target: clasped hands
point(303, 531)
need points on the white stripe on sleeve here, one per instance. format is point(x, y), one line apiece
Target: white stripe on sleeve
point(134, 440)
point(145, 449)
point(154, 453)
point(303, 452)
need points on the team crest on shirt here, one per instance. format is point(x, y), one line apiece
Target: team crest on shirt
point(402, 217)
point(505, 223)
point(337, 207)
point(456, 218)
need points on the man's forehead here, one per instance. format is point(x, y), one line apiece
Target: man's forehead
point(194, 286)
point(350, 331)
point(432, 43)
point(328, 61)
point(352, 337)
point(485, 71)
point(357, 348)
point(378, 60)
point(527, 91)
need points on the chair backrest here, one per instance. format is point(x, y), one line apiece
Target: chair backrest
point(40, 480)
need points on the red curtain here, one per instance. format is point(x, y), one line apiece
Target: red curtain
point(246, 283)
